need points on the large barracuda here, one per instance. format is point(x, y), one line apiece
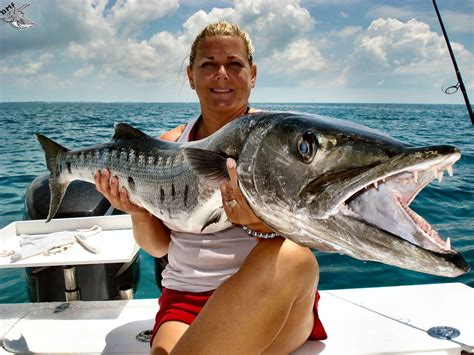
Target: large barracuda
point(327, 184)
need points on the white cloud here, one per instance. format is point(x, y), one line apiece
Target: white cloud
point(300, 58)
point(29, 67)
point(388, 11)
point(344, 14)
point(132, 15)
point(271, 24)
point(348, 32)
point(389, 49)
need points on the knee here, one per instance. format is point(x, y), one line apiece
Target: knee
point(288, 265)
point(297, 263)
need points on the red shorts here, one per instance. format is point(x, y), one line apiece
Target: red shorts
point(185, 306)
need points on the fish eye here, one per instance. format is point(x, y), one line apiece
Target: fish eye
point(307, 146)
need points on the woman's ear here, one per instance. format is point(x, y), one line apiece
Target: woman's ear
point(189, 71)
point(254, 75)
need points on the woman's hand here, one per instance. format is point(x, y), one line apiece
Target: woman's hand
point(235, 206)
point(118, 197)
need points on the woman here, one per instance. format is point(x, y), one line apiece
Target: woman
point(257, 294)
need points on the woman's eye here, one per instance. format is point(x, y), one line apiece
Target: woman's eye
point(307, 146)
point(206, 65)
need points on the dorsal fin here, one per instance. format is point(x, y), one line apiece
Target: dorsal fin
point(125, 131)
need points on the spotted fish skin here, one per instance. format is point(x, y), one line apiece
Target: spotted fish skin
point(154, 173)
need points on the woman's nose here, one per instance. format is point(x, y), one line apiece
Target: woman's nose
point(222, 72)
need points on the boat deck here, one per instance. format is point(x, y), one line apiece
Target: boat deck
point(387, 320)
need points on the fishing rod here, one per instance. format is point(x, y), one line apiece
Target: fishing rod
point(460, 83)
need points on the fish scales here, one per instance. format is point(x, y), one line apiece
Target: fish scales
point(131, 167)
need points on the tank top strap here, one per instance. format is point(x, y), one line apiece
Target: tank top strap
point(186, 135)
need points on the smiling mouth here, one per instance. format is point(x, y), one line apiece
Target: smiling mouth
point(221, 91)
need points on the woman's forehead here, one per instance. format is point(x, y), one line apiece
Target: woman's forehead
point(228, 46)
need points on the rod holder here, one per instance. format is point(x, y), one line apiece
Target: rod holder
point(71, 291)
point(125, 291)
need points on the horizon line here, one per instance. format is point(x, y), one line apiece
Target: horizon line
point(254, 103)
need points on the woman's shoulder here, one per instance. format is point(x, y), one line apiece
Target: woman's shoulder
point(174, 134)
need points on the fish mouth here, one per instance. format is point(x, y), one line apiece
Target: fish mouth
point(381, 194)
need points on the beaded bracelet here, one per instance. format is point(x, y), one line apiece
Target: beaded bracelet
point(259, 234)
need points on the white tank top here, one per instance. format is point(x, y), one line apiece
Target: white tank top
point(201, 262)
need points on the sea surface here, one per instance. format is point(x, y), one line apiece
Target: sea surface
point(448, 206)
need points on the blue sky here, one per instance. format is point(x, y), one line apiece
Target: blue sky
point(306, 50)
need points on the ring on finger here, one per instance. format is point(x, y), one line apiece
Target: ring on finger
point(231, 203)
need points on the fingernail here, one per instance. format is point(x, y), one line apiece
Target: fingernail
point(231, 163)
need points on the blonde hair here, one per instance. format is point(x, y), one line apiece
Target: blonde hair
point(222, 28)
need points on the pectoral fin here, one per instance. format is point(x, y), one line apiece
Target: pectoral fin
point(215, 217)
point(208, 165)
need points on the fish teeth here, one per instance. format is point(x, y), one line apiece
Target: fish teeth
point(376, 184)
point(415, 175)
point(448, 244)
point(434, 169)
point(440, 175)
point(450, 170)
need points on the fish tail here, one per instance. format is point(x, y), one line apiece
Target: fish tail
point(57, 189)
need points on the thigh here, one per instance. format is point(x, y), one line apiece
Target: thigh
point(167, 336)
point(297, 328)
point(266, 305)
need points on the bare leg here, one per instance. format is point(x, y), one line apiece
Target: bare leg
point(167, 336)
point(265, 307)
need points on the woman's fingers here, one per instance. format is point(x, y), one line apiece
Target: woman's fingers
point(232, 171)
point(117, 196)
point(236, 207)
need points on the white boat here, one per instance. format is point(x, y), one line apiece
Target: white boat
point(427, 319)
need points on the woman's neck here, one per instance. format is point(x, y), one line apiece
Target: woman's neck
point(210, 122)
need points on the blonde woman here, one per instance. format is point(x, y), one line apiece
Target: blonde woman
point(226, 292)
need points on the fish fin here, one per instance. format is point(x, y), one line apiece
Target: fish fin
point(213, 218)
point(207, 164)
point(51, 151)
point(57, 189)
point(125, 131)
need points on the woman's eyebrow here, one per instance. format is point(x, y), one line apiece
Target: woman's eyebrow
point(211, 57)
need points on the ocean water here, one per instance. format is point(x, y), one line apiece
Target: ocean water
point(448, 206)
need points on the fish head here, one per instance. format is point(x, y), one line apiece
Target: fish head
point(338, 186)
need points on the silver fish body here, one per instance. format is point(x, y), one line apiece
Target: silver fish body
point(154, 173)
point(326, 184)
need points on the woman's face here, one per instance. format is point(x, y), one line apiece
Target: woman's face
point(222, 75)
